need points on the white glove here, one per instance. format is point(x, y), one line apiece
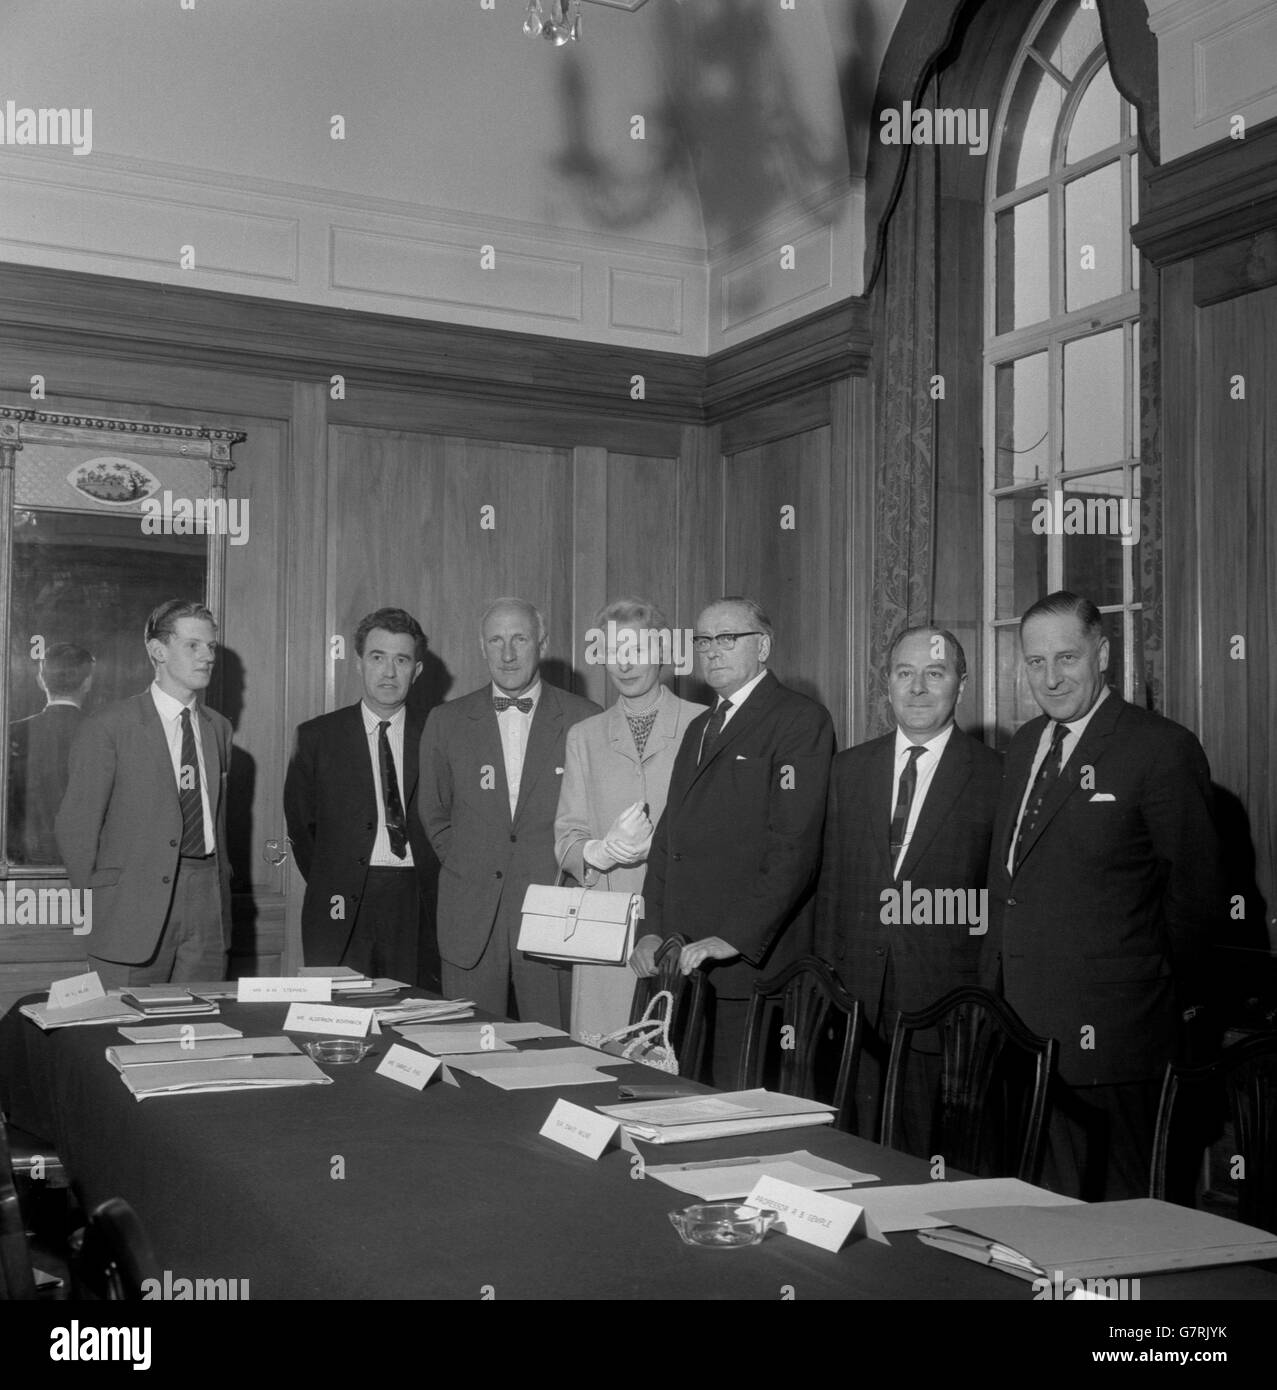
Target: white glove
point(597, 857)
point(629, 838)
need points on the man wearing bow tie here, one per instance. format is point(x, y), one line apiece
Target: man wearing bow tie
point(348, 800)
point(1103, 885)
point(491, 768)
point(734, 857)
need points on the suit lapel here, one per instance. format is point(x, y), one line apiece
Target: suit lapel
point(759, 701)
point(946, 785)
point(411, 762)
point(619, 736)
point(486, 733)
point(213, 768)
point(547, 725)
point(155, 741)
point(879, 775)
point(1089, 750)
point(358, 753)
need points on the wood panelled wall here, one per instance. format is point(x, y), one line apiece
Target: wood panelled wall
point(374, 494)
point(1211, 227)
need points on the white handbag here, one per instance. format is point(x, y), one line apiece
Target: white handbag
point(579, 924)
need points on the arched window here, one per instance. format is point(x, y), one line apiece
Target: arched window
point(1061, 359)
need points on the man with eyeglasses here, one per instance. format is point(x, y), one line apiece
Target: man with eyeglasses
point(734, 857)
point(910, 813)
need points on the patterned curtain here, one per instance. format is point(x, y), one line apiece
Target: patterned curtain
point(905, 473)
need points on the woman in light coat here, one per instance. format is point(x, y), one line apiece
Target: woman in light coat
point(615, 780)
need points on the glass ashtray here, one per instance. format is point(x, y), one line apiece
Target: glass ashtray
point(722, 1225)
point(334, 1052)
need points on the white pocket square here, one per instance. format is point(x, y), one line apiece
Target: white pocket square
point(558, 772)
point(1104, 796)
point(741, 758)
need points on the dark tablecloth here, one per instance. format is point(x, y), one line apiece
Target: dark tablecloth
point(367, 1189)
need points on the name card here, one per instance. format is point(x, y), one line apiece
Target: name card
point(406, 1065)
point(285, 989)
point(577, 1128)
point(329, 1018)
point(79, 989)
point(815, 1217)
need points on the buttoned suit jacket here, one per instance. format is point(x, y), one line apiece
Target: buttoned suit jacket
point(949, 849)
point(488, 857)
point(736, 853)
point(119, 827)
point(1114, 897)
point(330, 806)
point(39, 764)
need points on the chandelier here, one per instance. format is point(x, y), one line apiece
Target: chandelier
point(558, 20)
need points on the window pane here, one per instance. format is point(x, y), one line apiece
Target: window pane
point(1115, 624)
point(1097, 122)
point(1094, 520)
point(1021, 420)
point(1032, 115)
point(1133, 172)
point(1094, 403)
point(1069, 38)
point(1094, 242)
point(1021, 553)
point(1024, 288)
point(1135, 391)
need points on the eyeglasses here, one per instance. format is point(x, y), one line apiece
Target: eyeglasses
point(726, 640)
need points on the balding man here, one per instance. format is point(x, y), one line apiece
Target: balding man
point(901, 911)
point(491, 767)
point(734, 857)
point(1104, 889)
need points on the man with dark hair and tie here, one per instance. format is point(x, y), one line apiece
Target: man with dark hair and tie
point(910, 811)
point(349, 801)
point(1104, 891)
point(143, 821)
point(40, 753)
point(491, 768)
point(734, 856)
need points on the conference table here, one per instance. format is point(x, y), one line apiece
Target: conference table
point(368, 1189)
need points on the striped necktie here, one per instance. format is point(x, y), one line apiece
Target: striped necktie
point(1048, 775)
point(189, 795)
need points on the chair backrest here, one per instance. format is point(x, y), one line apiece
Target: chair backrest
point(988, 1107)
point(1242, 1084)
point(687, 1025)
point(819, 1057)
point(16, 1278)
point(115, 1257)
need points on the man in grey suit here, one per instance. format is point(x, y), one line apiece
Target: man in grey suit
point(143, 822)
point(491, 766)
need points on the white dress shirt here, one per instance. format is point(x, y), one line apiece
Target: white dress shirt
point(731, 704)
point(1073, 732)
point(383, 857)
point(170, 712)
point(925, 770)
point(516, 727)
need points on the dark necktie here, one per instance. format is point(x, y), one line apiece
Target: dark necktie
point(188, 794)
point(713, 729)
point(396, 826)
point(904, 800)
point(499, 702)
point(1048, 775)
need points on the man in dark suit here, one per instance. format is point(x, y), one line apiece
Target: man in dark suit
point(1104, 891)
point(734, 856)
point(143, 821)
point(909, 813)
point(491, 768)
point(40, 753)
point(350, 804)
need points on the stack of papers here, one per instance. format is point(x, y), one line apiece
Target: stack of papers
point(167, 1001)
point(221, 1064)
point(449, 1039)
point(107, 1009)
point(180, 1032)
point(524, 1071)
point(425, 1011)
point(912, 1207)
point(1099, 1240)
point(725, 1179)
point(716, 1117)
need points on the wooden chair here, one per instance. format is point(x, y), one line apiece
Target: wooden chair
point(818, 1059)
point(1241, 1084)
point(987, 1113)
point(112, 1257)
point(687, 1024)
point(17, 1281)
